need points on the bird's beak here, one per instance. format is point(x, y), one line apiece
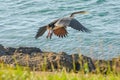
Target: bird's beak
point(84, 12)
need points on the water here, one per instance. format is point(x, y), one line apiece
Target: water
point(20, 20)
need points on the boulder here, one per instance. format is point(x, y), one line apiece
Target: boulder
point(2, 50)
point(28, 50)
point(36, 59)
point(48, 61)
point(24, 50)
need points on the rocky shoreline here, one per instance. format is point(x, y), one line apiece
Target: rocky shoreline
point(37, 60)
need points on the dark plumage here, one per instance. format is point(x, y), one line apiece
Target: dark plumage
point(58, 27)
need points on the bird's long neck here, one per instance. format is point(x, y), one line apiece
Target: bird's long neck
point(79, 12)
point(73, 14)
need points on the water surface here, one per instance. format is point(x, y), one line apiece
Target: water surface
point(20, 20)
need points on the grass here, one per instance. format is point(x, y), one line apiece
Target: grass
point(8, 72)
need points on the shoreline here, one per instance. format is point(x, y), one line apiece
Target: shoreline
point(38, 60)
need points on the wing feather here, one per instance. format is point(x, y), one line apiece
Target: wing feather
point(63, 22)
point(60, 32)
point(41, 31)
point(69, 21)
point(75, 24)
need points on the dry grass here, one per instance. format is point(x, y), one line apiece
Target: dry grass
point(8, 72)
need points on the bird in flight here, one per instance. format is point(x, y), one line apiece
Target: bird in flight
point(58, 26)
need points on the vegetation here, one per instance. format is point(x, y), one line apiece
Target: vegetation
point(11, 72)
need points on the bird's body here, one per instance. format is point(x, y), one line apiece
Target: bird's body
point(58, 27)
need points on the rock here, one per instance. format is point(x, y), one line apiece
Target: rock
point(6, 51)
point(1, 47)
point(105, 66)
point(91, 65)
point(35, 59)
point(28, 50)
point(49, 61)
point(10, 50)
point(24, 50)
point(84, 60)
point(2, 50)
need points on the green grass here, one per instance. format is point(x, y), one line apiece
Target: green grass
point(8, 72)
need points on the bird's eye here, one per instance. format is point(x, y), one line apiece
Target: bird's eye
point(51, 25)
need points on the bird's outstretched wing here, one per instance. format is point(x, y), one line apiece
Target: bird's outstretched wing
point(63, 22)
point(60, 32)
point(75, 24)
point(69, 21)
point(41, 31)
